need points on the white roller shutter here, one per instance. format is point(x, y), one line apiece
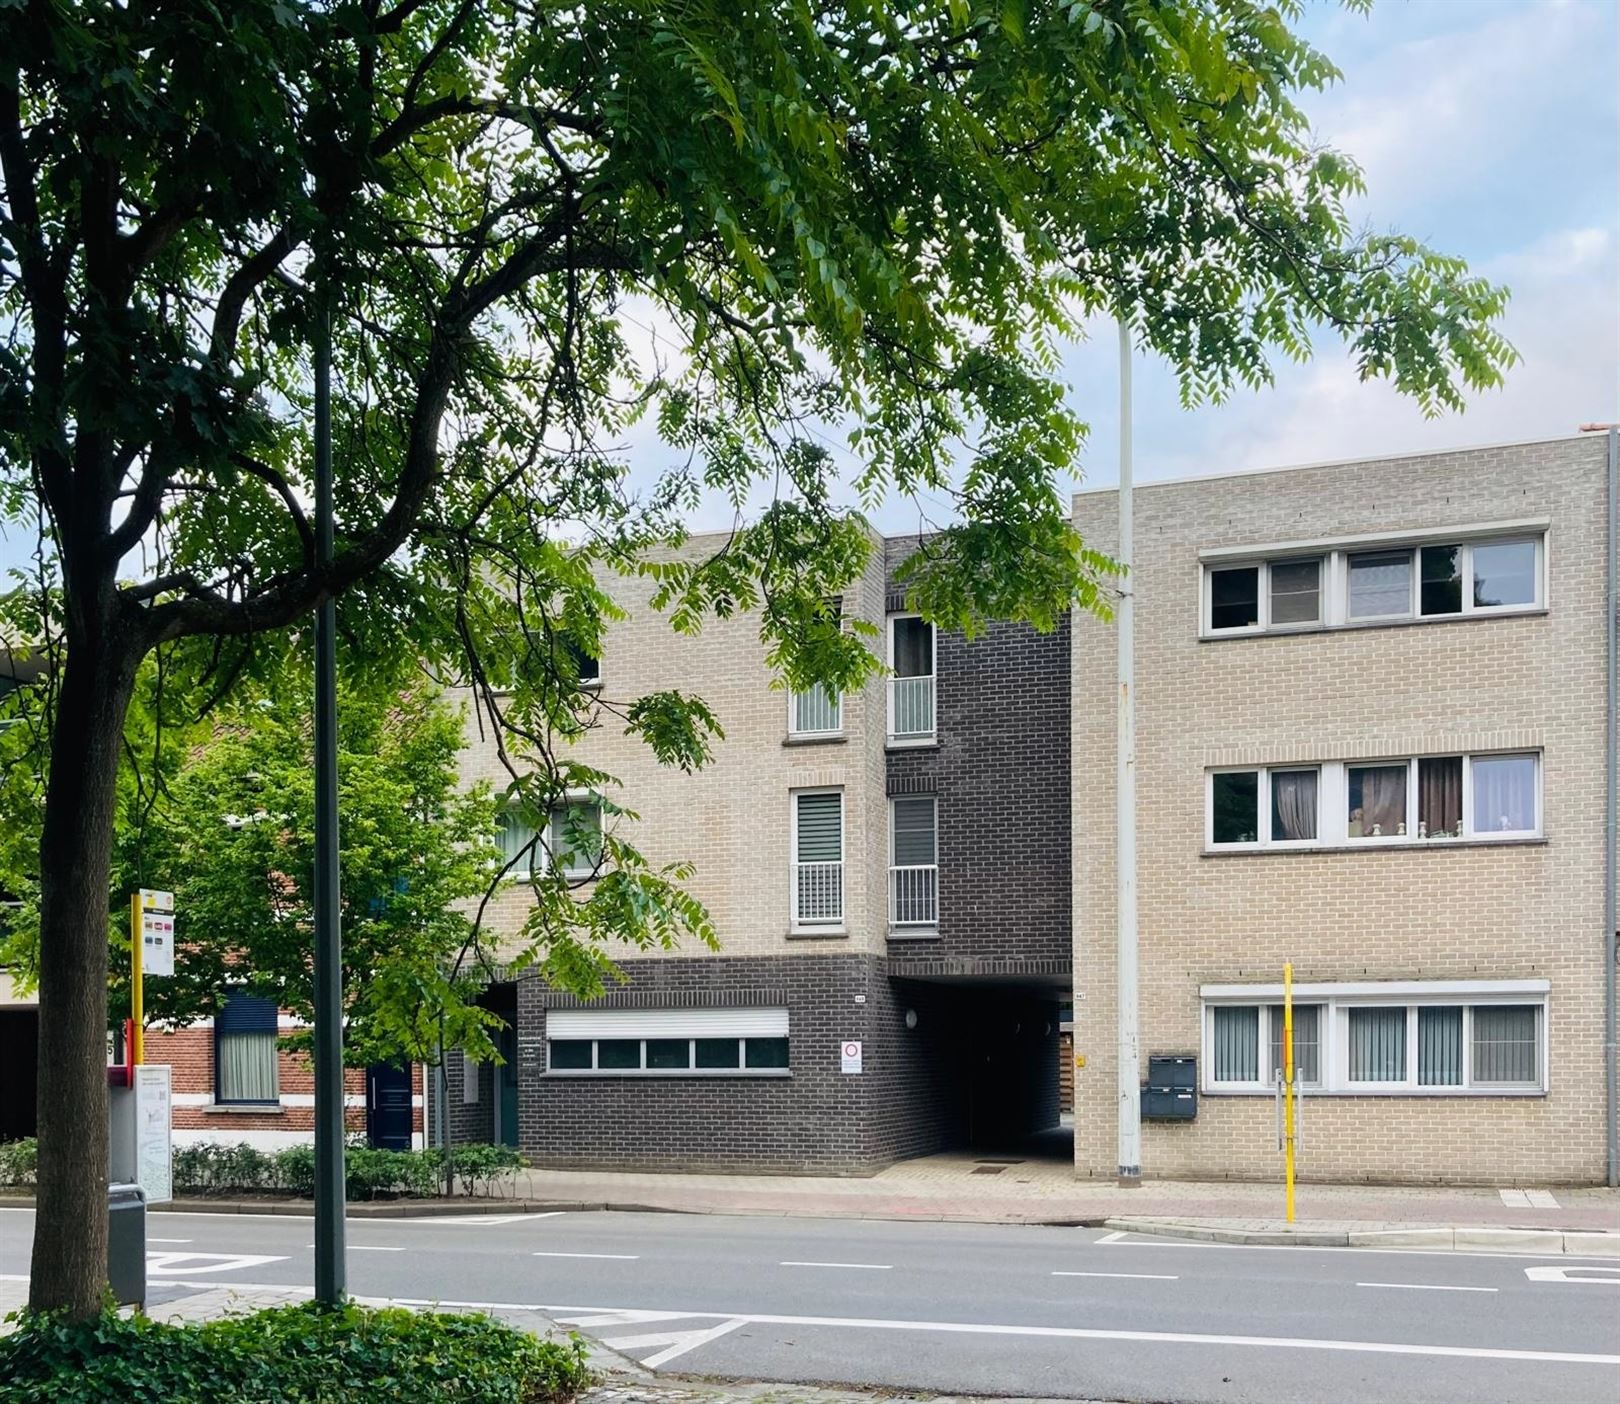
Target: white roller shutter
point(667, 1023)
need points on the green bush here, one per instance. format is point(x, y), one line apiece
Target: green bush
point(290, 1355)
point(208, 1168)
point(17, 1161)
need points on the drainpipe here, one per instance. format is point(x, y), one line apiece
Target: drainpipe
point(1126, 979)
point(1610, 798)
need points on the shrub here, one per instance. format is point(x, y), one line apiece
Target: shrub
point(208, 1168)
point(289, 1355)
point(479, 1164)
point(17, 1161)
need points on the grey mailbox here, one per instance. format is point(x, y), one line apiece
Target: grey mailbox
point(1171, 1093)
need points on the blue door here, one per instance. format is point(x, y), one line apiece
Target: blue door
point(388, 1107)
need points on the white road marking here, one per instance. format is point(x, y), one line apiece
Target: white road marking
point(1541, 1199)
point(1603, 1276)
point(483, 1220)
point(1425, 1287)
point(1515, 1198)
point(678, 1342)
point(168, 1240)
point(867, 1267)
point(1153, 1276)
point(365, 1248)
point(621, 1257)
point(180, 1264)
point(1113, 1237)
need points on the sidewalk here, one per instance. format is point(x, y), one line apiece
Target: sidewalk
point(965, 1187)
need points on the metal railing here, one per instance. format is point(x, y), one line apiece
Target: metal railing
point(815, 712)
point(911, 708)
point(818, 894)
point(914, 896)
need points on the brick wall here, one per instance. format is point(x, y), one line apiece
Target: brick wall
point(1496, 912)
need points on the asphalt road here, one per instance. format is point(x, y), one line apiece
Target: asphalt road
point(970, 1308)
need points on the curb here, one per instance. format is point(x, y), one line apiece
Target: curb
point(1547, 1242)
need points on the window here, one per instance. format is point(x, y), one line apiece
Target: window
point(913, 861)
point(817, 711)
point(1380, 584)
point(1335, 587)
point(818, 858)
point(911, 686)
point(574, 836)
point(667, 1042)
point(1472, 798)
point(587, 668)
point(1409, 1038)
point(245, 1056)
point(1264, 807)
point(573, 840)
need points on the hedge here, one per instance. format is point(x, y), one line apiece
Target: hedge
point(208, 1168)
point(288, 1355)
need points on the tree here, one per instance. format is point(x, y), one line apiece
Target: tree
point(854, 221)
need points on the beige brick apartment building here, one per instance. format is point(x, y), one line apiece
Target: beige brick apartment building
point(1370, 722)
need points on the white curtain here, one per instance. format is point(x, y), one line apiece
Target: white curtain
point(247, 1068)
point(1504, 794)
point(1293, 804)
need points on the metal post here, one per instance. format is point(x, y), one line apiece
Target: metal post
point(1130, 1092)
point(1611, 798)
point(137, 991)
point(329, 1177)
point(1288, 1089)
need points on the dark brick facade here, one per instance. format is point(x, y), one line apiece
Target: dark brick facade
point(1000, 770)
point(962, 1071)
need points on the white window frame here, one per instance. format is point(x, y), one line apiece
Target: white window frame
point(1333, 804)
point(671, 1025)
point(793, 695)
point(1334, 602)
point(527, 872)
point(1264, 838)
point(829, 926)
point(920, 738)
point(571, 800)
point(1337, 999)
point(913, 926)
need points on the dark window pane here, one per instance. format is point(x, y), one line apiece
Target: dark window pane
point(1380, 584)
point(586, 668)
point(1293, 806)
point(571, 1053)
point(1377, 801)
point(618, 1053)
point(1234, 598)
point(914, 832)
point(1505, 574)
point(669, 1053)
point(1440, 797)
point(1237, 806)
point(1440, 589)
point(717, 1053)
point(767, 1052)
point(1296, 592)
point(913, 648)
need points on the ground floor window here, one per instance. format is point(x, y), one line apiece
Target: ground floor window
point(665, 1042)
point(1422, 1037)
point(245, 1056)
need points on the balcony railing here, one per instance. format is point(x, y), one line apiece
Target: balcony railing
point(818, 894)
point(816, 712)
point(911, 708)
point(914, 896)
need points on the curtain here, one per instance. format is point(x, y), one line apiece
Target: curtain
point(1237, 1043)
point(1504, 794)
point(515, 836)
point(1307, 1042)
point(247, 1067)
point(1293, 804)
point(1505, 1043)
point(1440, 1036)
point(1377, 1045)
point(1383, 798)
point(1440, 796)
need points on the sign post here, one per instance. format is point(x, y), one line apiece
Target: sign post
point(151, 952)
point(1288, 1088)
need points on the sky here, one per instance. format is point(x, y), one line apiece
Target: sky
point(1487, 128)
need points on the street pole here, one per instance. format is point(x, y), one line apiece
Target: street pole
point(1130, 1095)
point(328, 1009)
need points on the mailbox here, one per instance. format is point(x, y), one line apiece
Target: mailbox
point(1171, 1092)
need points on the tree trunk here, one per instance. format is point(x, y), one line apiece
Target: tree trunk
point(69, 1271)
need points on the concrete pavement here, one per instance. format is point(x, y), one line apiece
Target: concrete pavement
point(944, 1308)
